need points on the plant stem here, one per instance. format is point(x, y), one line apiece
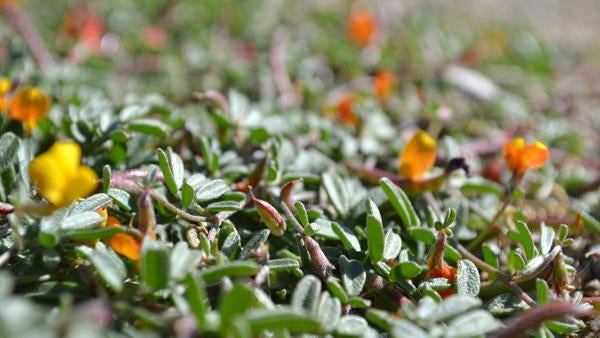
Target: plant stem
point(290, 216)
point(528, 320)
point(503, 277)
point(21, 23)
point(491, 228)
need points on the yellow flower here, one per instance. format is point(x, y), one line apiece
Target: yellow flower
point(59, 176)
point(521, 156)
point(29, 105)
point(5, 86)
point(418, 156)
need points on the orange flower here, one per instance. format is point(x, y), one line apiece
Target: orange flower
point(383, 83)
point(123, 243)
point(418, 156)
point(437, 266)
point(345, 111)
point(521, 156)
point(5, 86)
point(443, 271)
point(29, 105)
point(361, 26)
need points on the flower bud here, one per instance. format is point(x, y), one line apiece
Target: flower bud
point(147, 217)
point(270, 216)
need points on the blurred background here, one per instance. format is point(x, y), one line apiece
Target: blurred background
point(518, 62)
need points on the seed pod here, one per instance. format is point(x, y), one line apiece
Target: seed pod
point(147, 217)
point(320, 262)
point(286, 194)
point(270, 216)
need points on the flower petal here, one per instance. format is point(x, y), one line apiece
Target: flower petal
point(125, 245)
point(418, 156)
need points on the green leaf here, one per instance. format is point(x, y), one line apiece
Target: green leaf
point(405, 270)
point(449, 218)
point(92, 233)
point(352, 325)
point(337, 289)
point(106, 175)
point(506, 304)
point(195, 294)
point(211, 190)
point(451, 307)
point(392, 245)
point(283, 264)
point(9, 145)
point(329, 311)
point(231, 244)
point(187, 195)
point(282, 319)
point(154, 266)
point(234, 303)
point(302, 215)
point(50, 228)
point(561, 327)
point(542, 291)
point(149, 127)
point(337, 192)
point(345, 235)
point(306, 294)
point(436, 284)
point(121, 198)
point(425, 235)
point(546, 238)
point(375, 235)
point(172, 169)
point(536, 266)
point(590, 222)
point(468, 281)
point(183, 260)
point(402, 328)
point(109, 266)
point(400, 202)
point(230, 269)
point(83, 220)
point(523, 236)
point(353, 275)
point(91, 203)
point(254, 243)
point(224, 206)
point(489, 256)
point(474, 323)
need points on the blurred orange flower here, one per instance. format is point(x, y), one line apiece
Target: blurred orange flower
point(383, 83)
point(521, 156)
point(59, 176)
point(85, 24)
point(418, 156)
point(123, 243)
point(361, 26)
point(29, 105)
point(345, 112)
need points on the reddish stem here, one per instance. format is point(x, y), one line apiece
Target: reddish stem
point(529, 320)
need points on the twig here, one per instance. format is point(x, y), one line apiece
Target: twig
point(280, 74)
point(503, 277)
point(21, 23)
point(528, 320)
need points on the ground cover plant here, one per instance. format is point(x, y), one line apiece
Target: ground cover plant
point(292, 168)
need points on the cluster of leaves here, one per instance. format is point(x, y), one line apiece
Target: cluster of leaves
point(252, 215)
